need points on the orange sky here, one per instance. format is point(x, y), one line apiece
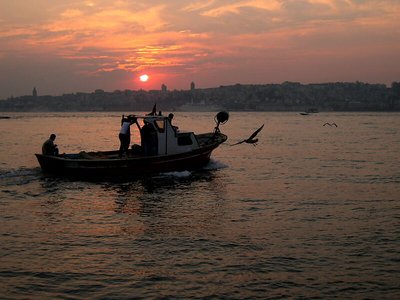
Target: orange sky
point(78, 46)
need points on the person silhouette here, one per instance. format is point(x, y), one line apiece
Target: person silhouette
point(125, 134)
point(48, 147)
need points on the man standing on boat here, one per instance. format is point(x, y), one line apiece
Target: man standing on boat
point(149, 139)
point(125, 134)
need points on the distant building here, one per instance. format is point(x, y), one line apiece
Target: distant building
point(34, 92)
point(192, 86)
point(163, 88)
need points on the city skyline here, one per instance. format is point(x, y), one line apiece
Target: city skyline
point(81, 46)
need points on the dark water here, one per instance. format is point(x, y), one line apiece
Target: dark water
point(312, 212)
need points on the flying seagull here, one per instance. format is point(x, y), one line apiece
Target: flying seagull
point(333, 124)
point(251, 139)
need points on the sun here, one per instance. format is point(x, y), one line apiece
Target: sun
point(144, 77)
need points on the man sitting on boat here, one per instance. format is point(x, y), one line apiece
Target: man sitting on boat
point(49, 148)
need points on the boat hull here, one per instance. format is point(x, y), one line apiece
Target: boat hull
point(70, 165)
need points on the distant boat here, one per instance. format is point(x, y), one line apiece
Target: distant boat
point(171, 150)
point(310, 111)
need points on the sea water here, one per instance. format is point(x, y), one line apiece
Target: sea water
point(312, 211)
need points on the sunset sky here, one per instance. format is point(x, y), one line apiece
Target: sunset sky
point(73, 46)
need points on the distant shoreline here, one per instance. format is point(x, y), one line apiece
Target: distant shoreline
point(288, 96)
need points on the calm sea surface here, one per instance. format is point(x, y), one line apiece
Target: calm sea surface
point(312, 212)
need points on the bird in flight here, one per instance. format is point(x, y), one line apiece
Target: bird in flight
point(333, 124)
point(251, 139)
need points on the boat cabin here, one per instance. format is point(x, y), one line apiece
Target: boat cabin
point(160, 137)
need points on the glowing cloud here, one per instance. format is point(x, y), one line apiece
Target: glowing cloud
point(236, 7)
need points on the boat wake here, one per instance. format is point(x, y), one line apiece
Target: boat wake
point(21, 172)
point(214, 165)
point(181, 174)
point(19, 176)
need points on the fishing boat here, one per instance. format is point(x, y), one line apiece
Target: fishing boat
point(310, 111)
point(167, 150)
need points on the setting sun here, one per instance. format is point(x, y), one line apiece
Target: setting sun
point(144, 78)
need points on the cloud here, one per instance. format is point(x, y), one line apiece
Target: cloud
point(236, 8)
point(198, 6)
point(196, 38)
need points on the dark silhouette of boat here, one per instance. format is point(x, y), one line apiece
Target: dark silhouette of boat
point(168, 150)
point(309, 111)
